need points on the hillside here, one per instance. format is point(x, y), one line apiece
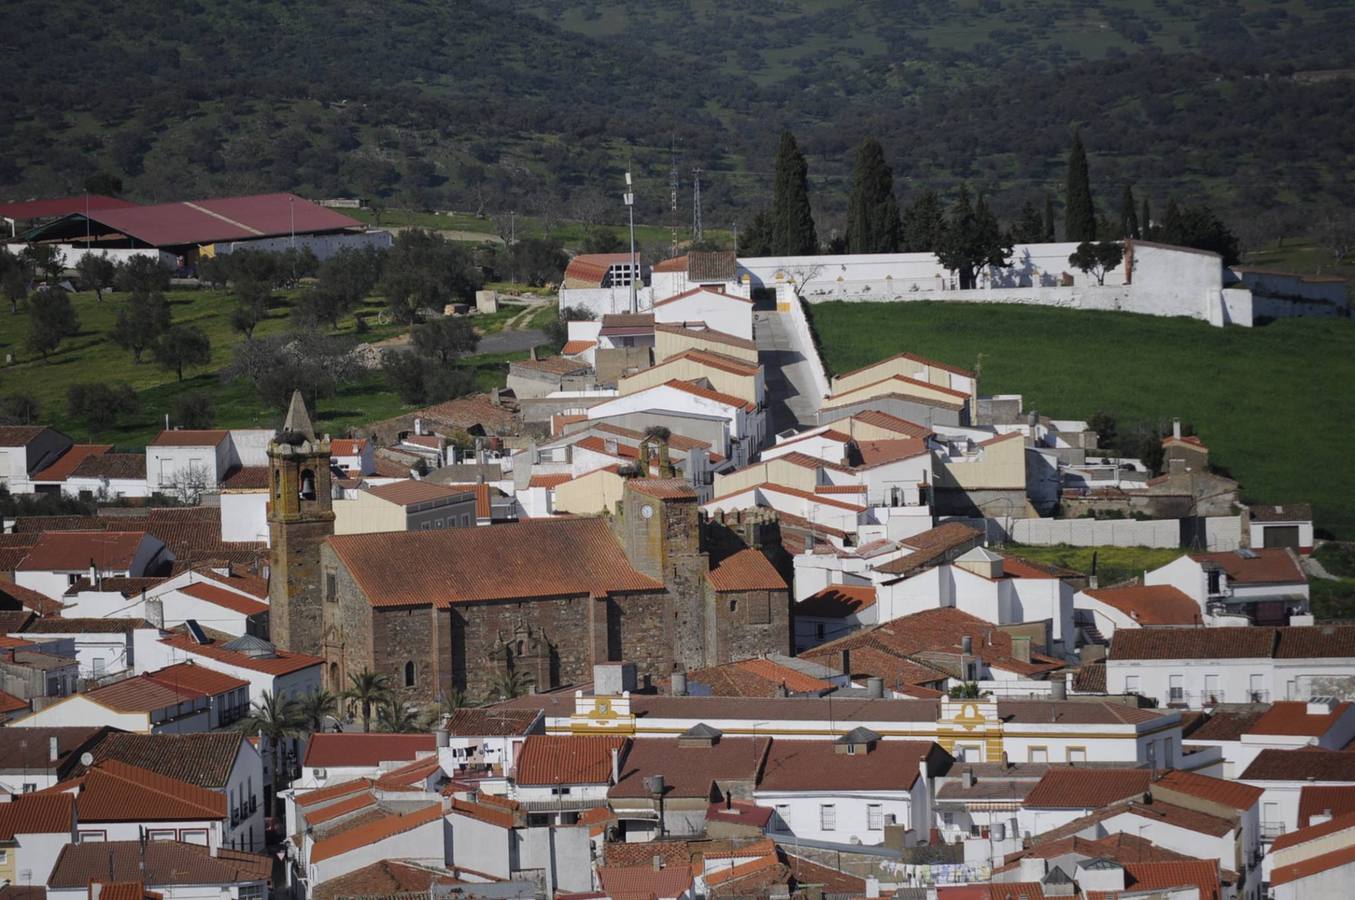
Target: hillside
point(537, 106)
point(1260, 398)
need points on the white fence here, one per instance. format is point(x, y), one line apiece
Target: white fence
point(803, 340)
point(70, 254)
point(1220, 532)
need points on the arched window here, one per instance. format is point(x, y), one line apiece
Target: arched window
point(334, 675)
point(409, 674)
point(733, 606)
point(307, 484)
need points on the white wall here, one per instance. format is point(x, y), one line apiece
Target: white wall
point(716, 310)
point(244, 516)
point(479, 845)
point(163, 462)
point(322, 245)
point(421, 844)
point(800, 813)
point(79, 711)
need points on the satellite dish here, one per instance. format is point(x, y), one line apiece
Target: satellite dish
point(86, 758)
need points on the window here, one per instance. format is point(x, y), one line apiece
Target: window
point(162, 834)
point(1152, 754)
point(29, 787)
point(1077, 754)
point(783, 815)
point(465, 521)
point(4, 857)
point(875, 817)
point(733, 606)
point(99, 667)
point(331, 587)
point(409, 674)
point(1211, 689)
point(1131, 684)
point(1178, 689)
point(1038, 754)
point(1257, 689)
point(92, 837)
point(827, 817)
point(820, 631)
point(1215, 582)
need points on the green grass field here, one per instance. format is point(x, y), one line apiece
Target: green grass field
point(1113, 564)
point(90, 357)
point(1271, 403)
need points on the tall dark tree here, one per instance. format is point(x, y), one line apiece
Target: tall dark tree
point(873, 224)
point(1049, 224)
point(423, 270)
point(1029, 227)
point(141, 273)
point(180, 346)
point(1129, 216)
point(1146, 220)
point(51, 317)
point(755, 239)
point(972, 239)
point(1172, 228)
point(141, 319)
point(96, 273)
point(923, 223)
point(792, 220)
point(1079, 214)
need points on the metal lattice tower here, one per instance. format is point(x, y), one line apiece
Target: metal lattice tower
point(672, 200)
point(696, 204)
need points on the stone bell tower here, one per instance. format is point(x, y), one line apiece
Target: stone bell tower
point(300, 517)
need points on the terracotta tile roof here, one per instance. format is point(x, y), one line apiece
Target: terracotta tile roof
point(226, 599)
point(30, 599)
point(688, 771)
point(719, 361)
point(482, 812)
point(627, 324)
point(770, 487)
point(1312, 866)
point(769, 864)
point(1190, 439)
point(702, 290)
point(883, 388)
point(550, 480)
point(373, 832)
point(712, 265)
point(1229, 793)
point(878, 453)
point(566, 759)
point(642, 853)
point(541, 558)
point(76, 625)
point(1291, 717)
point(697, 390)
point(1087, 788)
point(1090, 679)
point(19, 435)
point(673, 264)
point(593, 267)
point(37, 814)
point(466, 413)
point(160, 863)
point(142, 694)
point(69, 461)
point(837, 601)
point(552, 365)
point(1019, 567)
point(347, 446)
point(1270, 565)
point(1300, 765)
point(205, 759)
point(897, 672)
point(113, 791)
point(700, 330)
point(1290, 512)
point(198, 679)
point(1151, 604)
point(935, 364)
point(1142, 877)
point(738, 812)
point(746, 570)
point(645, 882)
point(815, 765)
point(1316, 800)
point(333, 792)
point(66, 551)
point(480, 722)
point(29, 748)
point(347, 806)
point(122, 890)
point(572, 347)
point(410, 492)
point(413, 775)
point(1313, 832)
point(189, 437)
point(754, 678)
point(12, 704)
point(113, 466)
point(884, 420)
point(1315, 642)
point(356, 749)
point(1192, 643)
point(1225, 725)
point(598, 445)
point(930, 546)
point(385, 878)
point(283, 663)
point(1007, 890)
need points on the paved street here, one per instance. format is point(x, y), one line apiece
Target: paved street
point(790, 390)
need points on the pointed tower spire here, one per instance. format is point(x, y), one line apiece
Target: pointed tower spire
point(298, 420)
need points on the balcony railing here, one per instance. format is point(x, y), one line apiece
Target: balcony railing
point(1271, 830)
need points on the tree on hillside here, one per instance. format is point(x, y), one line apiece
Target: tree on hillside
point(100, 405)
point(1097, 257)
point(1129, 215)
point(421, 381)
point(922, 224)
point(601, 239)
point(1198, 227)
point(1029, 227)
point(972, 239)
point(446, 338)
point(96, 273)
point(1079, 215)
point(141, 274)
point(1049, 223)
point(51, 317)
point(251, 306)
point(313, 363)
point(141, 319)
point(43, 261)
point(20, 409)
point(424, 271)
point(535, 261)
point(194, 409)
point(105, 183)
point(180, 346)
point(350, 275)
point(755, 238)
point(792, 219)
point(873, 224)
point(14, 278)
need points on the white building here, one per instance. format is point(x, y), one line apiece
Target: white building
point(1266, 585)
point(61, 558)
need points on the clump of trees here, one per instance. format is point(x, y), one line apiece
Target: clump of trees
point(423, 272)
point(51, 319)
point(428, 373)
point(100, 405)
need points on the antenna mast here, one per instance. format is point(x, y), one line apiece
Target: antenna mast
point(672, 199)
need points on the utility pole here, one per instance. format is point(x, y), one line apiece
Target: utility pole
point(629, 198)
point(696, 205)
point(672, 200)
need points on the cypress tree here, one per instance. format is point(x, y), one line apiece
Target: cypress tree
point(873, 224)
point(923, 222)
point(1049, 218)
point(792, 221)
point(1079, 222)
point(1129, 217)
point(1173, 228)
point(1146, 220)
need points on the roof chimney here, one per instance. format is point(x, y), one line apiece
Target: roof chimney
point(966, 644)
point(872, 887)
point(967, 778)
point(875, 688)
point(1176, 428)
point(93, 574)
point(616, 765)
point(53, 750)
point(679, 682)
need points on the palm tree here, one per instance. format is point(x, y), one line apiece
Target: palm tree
point(509, 684)
point(275, 721)
point(369, 689)
point(397, 716)
point(315, 707)
point(447, 705)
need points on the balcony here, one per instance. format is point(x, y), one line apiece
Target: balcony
point(1271, 830)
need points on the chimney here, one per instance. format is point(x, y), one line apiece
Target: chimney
point(872, 887)
point(1021, 647)
point(1176, 428)
point(494, 397)
point(53, 751)
point(966, 645)
point(967, 778)
point(1058, 689)
point(616, 765)
point(95, 889)
point(93, 574)
point(875, 688)
point(679, 682)
point(657, 862)
point(418, 425)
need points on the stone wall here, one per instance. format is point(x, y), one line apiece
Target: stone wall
point(747, 623)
